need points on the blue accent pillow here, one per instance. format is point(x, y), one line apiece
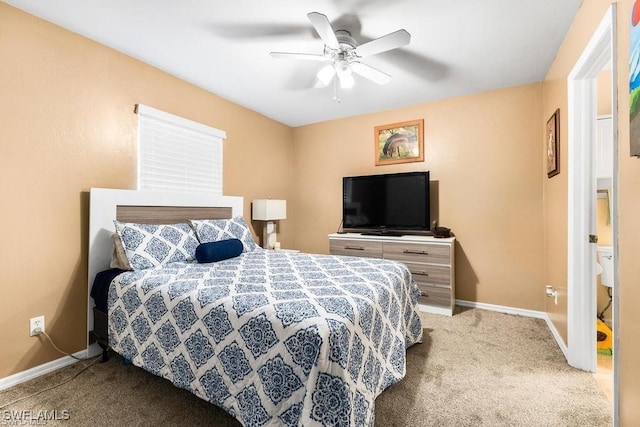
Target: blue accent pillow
point(218, 251)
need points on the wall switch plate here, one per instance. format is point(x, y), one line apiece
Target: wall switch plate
point(36, 325)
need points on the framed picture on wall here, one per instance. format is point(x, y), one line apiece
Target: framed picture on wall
point(399, 143)
point(634, 80)
point(552, 135)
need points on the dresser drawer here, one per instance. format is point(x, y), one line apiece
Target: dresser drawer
point(430, 261)
point(362, 248)
point(416, 252)
point(430, 274)
point(435, 295)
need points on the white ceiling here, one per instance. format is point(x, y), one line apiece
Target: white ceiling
point(457, 47)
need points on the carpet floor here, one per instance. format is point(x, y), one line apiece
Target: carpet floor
point(477, 368)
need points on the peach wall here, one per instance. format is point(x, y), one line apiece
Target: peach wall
point(555, 208)
point(556, 188)
point(483, 154)
point(628, 237)
point(604, 92)
point(603, 222)
point(68, 125)
point(555, 90)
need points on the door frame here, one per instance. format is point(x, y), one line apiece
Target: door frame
point(581, 275)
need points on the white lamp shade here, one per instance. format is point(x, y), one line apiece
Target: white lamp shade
point(269, 209)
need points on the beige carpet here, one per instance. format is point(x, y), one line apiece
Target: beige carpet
point(477, 368)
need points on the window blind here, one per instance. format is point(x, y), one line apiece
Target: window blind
point(177, 154)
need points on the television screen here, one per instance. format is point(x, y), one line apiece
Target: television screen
point(377, 203)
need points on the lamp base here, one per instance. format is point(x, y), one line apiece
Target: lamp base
point(269, 235)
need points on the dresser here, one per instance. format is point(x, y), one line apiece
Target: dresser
point(430, 260)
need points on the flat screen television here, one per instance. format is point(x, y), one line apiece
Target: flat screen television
point(391, 204)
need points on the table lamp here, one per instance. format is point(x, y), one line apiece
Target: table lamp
point(269, 210)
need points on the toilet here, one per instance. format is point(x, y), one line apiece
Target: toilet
point(605, 265)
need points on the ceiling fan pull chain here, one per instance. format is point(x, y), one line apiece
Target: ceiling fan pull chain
point(336, 90)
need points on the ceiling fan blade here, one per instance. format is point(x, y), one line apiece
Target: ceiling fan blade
point(390, 41)
point(321, 23)
point(242, 31)
point(370, 73)
point(305, 56)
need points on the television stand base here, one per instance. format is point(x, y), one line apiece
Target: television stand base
point(383, 233)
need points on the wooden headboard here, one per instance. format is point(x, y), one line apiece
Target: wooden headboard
point(107, 205)
point(169, 214)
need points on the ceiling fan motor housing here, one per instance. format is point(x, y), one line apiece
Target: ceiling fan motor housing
point(347, 47)
point(345, 40)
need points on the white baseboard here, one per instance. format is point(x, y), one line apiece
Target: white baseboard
point(435, 310)
point(94, 350)
point(37, 371)
point(556, 335)
point(502, 309)
point(520, 312)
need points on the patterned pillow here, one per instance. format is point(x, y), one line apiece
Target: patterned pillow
point(213, 230)
point(150, 245)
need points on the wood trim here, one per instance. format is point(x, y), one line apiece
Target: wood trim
point(169, 214)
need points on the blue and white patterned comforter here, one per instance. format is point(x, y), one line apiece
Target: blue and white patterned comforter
point(274, 338)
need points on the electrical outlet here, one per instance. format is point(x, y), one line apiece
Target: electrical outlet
point(36, 325)
point(552, 293)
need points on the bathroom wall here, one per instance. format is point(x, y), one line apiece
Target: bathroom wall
point(605, 238)
point(603, 219)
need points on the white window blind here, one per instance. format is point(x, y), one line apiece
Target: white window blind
point(177, 154)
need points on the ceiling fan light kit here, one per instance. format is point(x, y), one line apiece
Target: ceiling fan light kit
point(325, 75)
point(344, 53)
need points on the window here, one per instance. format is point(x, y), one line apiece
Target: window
point(177, 154)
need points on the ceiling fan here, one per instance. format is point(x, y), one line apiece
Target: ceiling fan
point(343, 54)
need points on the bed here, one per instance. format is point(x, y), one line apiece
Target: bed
point(272, 337)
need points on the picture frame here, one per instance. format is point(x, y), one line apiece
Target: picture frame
point(634, 81)
point(401, 142)
point(552, 139)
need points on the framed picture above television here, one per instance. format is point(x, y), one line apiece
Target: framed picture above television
point(399, 143)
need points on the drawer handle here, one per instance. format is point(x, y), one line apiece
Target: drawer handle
point(409, 251)
point(354, 248)
point(420, 273)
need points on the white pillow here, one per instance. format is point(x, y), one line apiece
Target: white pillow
point(151, 245)
point(213, 230)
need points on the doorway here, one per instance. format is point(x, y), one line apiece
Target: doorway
point(581, 268)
